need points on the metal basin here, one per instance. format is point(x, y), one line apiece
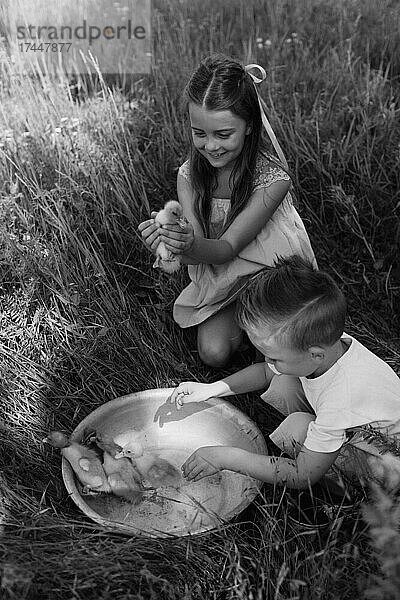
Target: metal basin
point(185, 507)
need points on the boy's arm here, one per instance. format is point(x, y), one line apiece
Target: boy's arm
point(250, 379)
point(301, 472)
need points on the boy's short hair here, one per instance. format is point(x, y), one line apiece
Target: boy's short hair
point(303, 307)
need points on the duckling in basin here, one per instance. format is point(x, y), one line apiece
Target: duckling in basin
point(159, 439)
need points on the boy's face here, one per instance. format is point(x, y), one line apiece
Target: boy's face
point(284, 360)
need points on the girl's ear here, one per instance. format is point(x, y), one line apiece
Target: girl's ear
point(249, 128)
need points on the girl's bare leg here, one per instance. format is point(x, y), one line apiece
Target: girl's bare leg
point(219, 337)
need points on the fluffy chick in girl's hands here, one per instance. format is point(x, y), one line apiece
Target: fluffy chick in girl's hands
point(171, 214)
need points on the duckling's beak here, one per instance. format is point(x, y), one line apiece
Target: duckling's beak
point(182, 222)
point(119, 454)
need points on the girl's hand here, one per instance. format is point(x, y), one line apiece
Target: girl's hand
point(190, 391)
point(177, 239)
point(150, 231)
point(203, 462)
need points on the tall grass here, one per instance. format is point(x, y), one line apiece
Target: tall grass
point(85, 319)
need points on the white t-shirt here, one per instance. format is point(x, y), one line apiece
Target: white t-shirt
point(359, 389)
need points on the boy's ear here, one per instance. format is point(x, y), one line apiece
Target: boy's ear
point(317, 353)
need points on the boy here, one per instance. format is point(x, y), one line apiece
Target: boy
point(326, 383)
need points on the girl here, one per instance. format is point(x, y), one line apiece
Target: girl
point(236, 199)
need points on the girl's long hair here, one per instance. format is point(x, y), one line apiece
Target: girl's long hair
point(221, 83)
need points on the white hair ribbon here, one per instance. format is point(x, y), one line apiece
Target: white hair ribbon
point(266, 123)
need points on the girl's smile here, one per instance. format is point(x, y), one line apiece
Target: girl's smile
point(218, 135)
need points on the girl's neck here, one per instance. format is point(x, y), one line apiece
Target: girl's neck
point(223, 188)
point(224, 171)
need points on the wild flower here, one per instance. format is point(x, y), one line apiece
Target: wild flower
point(293, 39)
point(263, 43)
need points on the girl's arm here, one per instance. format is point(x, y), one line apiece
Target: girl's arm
point(186, 199)
point(186, 260)
point(301, 472)
point(150, 233)
point(240, 233)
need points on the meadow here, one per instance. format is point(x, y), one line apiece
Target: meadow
point(85, 319)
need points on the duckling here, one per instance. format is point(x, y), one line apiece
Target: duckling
point(84, 461)
point(171, 214)
point(157, 471)
point(124, 479)
point(110, 463)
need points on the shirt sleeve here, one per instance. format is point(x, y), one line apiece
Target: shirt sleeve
point(184, 171)
point(324, 437)
point(267, 173)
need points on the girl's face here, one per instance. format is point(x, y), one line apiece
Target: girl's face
point(218, 135)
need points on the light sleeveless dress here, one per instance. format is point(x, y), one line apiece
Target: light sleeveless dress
point(213, 287)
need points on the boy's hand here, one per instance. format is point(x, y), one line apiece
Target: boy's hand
point(150, 231)
point(203, 462)
point(190, 391)
point(178, 239)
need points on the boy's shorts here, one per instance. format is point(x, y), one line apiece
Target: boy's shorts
point(359, 460)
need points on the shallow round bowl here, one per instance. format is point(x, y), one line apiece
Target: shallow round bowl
point(178, 507)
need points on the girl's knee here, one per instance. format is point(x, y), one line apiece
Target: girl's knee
point(215, 353)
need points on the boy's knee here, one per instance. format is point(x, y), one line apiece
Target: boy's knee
point(214, 353)
point(276, 400)
point(286, 394)
point(289, 436)
point(297, 423)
